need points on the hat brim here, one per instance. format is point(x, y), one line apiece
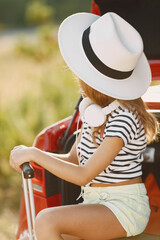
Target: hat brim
point(70, 44)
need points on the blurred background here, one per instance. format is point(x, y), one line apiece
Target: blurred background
point(36, 87)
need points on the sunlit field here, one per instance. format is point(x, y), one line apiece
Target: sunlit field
point(37, 89)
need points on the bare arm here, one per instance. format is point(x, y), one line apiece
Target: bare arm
point(78, 174)
point(68, 157)
point(68, 169)
point(21, 154)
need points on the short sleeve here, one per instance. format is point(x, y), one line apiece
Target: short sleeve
point(122, 125)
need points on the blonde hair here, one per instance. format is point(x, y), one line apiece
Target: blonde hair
point(148, 120)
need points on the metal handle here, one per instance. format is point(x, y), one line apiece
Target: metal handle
point(27, 175)
point(28, 171)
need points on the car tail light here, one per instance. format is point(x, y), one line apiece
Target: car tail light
point(38, 181)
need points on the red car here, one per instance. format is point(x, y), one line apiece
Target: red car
point(51, 191)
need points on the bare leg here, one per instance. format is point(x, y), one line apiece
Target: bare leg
point(89, 222)
point(69, 237)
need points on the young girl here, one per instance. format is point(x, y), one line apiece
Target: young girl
point(106, 53)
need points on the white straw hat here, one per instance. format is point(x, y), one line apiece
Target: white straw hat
point(106, 53)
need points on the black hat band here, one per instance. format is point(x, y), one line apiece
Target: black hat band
point(97, 63)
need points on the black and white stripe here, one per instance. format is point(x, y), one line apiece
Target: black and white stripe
point(128, 163)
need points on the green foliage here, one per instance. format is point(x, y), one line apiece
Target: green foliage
point(64, 8)
point(18, 13)
point(22, 120)
point(36, 89)
point(42, 48)
point(35, 95)
point(12, 12)
point(38, 12)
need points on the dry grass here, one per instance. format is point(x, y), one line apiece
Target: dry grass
point(8, 224)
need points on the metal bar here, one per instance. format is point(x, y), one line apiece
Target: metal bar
point(32, 205)
point(27, 208)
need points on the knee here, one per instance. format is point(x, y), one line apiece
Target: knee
point(45, 224)
point(42, 224)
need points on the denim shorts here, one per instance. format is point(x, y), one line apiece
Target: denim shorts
point(129, 203)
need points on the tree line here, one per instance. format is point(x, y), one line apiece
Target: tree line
point(14, 13)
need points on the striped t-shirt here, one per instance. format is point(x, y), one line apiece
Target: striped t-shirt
point(128, 163)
